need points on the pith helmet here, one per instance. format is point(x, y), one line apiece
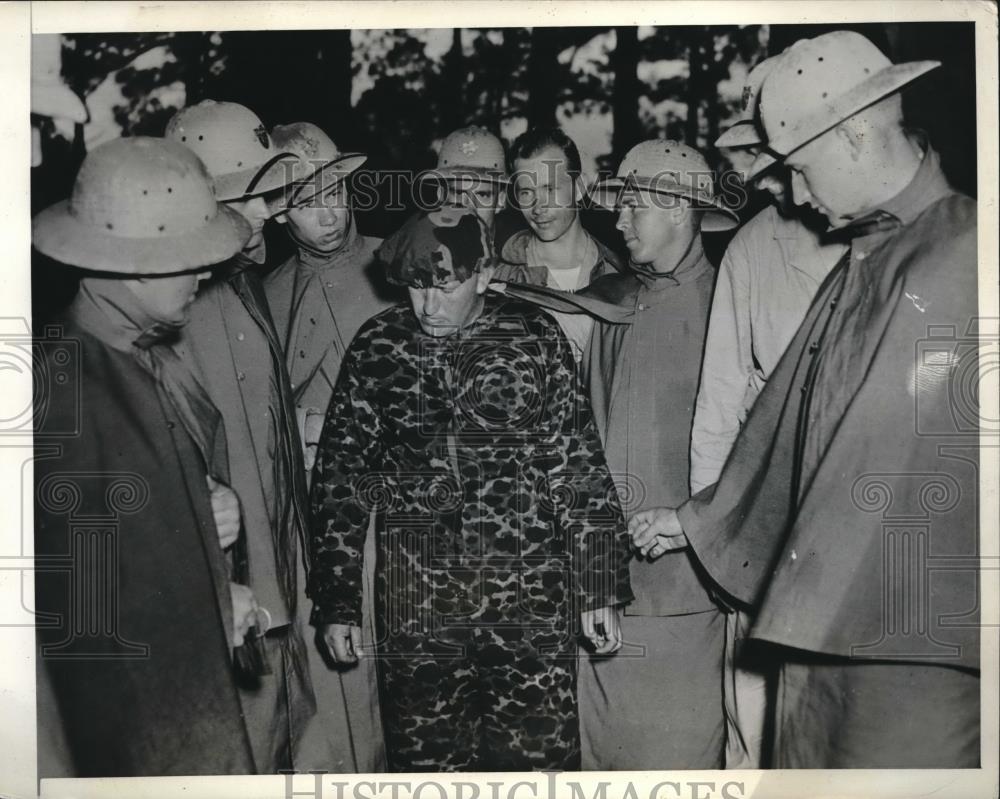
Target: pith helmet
point(818, 83)
point(235, 147)
point(140, 206)
point(668, 167)
point(471, 152)
point(745, 131)
point(319, 162)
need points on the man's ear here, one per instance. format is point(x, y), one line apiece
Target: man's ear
point(502, 198)
point(850, 134)
point(484, 278)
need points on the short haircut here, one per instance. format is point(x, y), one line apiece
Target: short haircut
point(534, 140)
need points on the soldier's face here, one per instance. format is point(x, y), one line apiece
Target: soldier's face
point(167, 299)
point(256, 212)
point(546, 193)
point(323, 223)
point(741, 158)
point(825, 176)
point(445, 309)
point(481, 196)
point(651, 224)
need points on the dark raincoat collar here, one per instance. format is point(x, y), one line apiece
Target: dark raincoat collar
point(110, 312)
point(927, 187)
point(692, 264)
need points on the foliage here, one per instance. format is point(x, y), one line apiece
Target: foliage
point(411, 87)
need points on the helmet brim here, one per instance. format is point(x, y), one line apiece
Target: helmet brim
point(61, 235)
point(276, 173)
point(743, 133)
point(793, 137)
point(718, 218)
point(332, 172)
point(462, 173)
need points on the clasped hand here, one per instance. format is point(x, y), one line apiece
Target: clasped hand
point(656, 531)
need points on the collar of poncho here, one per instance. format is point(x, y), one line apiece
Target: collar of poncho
point(109, 311)
point(927, 187)
point(689, 268)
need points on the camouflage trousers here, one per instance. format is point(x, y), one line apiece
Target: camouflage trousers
point(480, 698)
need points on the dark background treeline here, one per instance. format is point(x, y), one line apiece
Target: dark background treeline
point(394, 94)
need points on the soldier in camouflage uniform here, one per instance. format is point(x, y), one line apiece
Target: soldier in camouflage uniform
point(461, 425)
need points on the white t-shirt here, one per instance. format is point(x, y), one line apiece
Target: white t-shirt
point(577, 327)
point(565, 279)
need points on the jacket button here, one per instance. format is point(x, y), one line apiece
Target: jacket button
point(170, 425)
point(242, 376)
point(240, 337)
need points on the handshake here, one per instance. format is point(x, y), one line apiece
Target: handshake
point(655, 532)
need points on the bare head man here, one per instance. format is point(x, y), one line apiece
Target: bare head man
point(547, 181)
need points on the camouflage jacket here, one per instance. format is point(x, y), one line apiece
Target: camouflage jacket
point(479, 456)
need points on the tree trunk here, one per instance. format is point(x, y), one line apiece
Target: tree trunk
point(624, 62)
point(190, 50)
point(716, 72)
point(543, 76)
point(502, 82)
point(334, 64)
point(453, 71)
point(696, 80)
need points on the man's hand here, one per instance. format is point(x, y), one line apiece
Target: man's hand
point(343, 641)
point(244, 611)
point(603, 629)
point(312, 429)
point(656, 531)
point(226, 510)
